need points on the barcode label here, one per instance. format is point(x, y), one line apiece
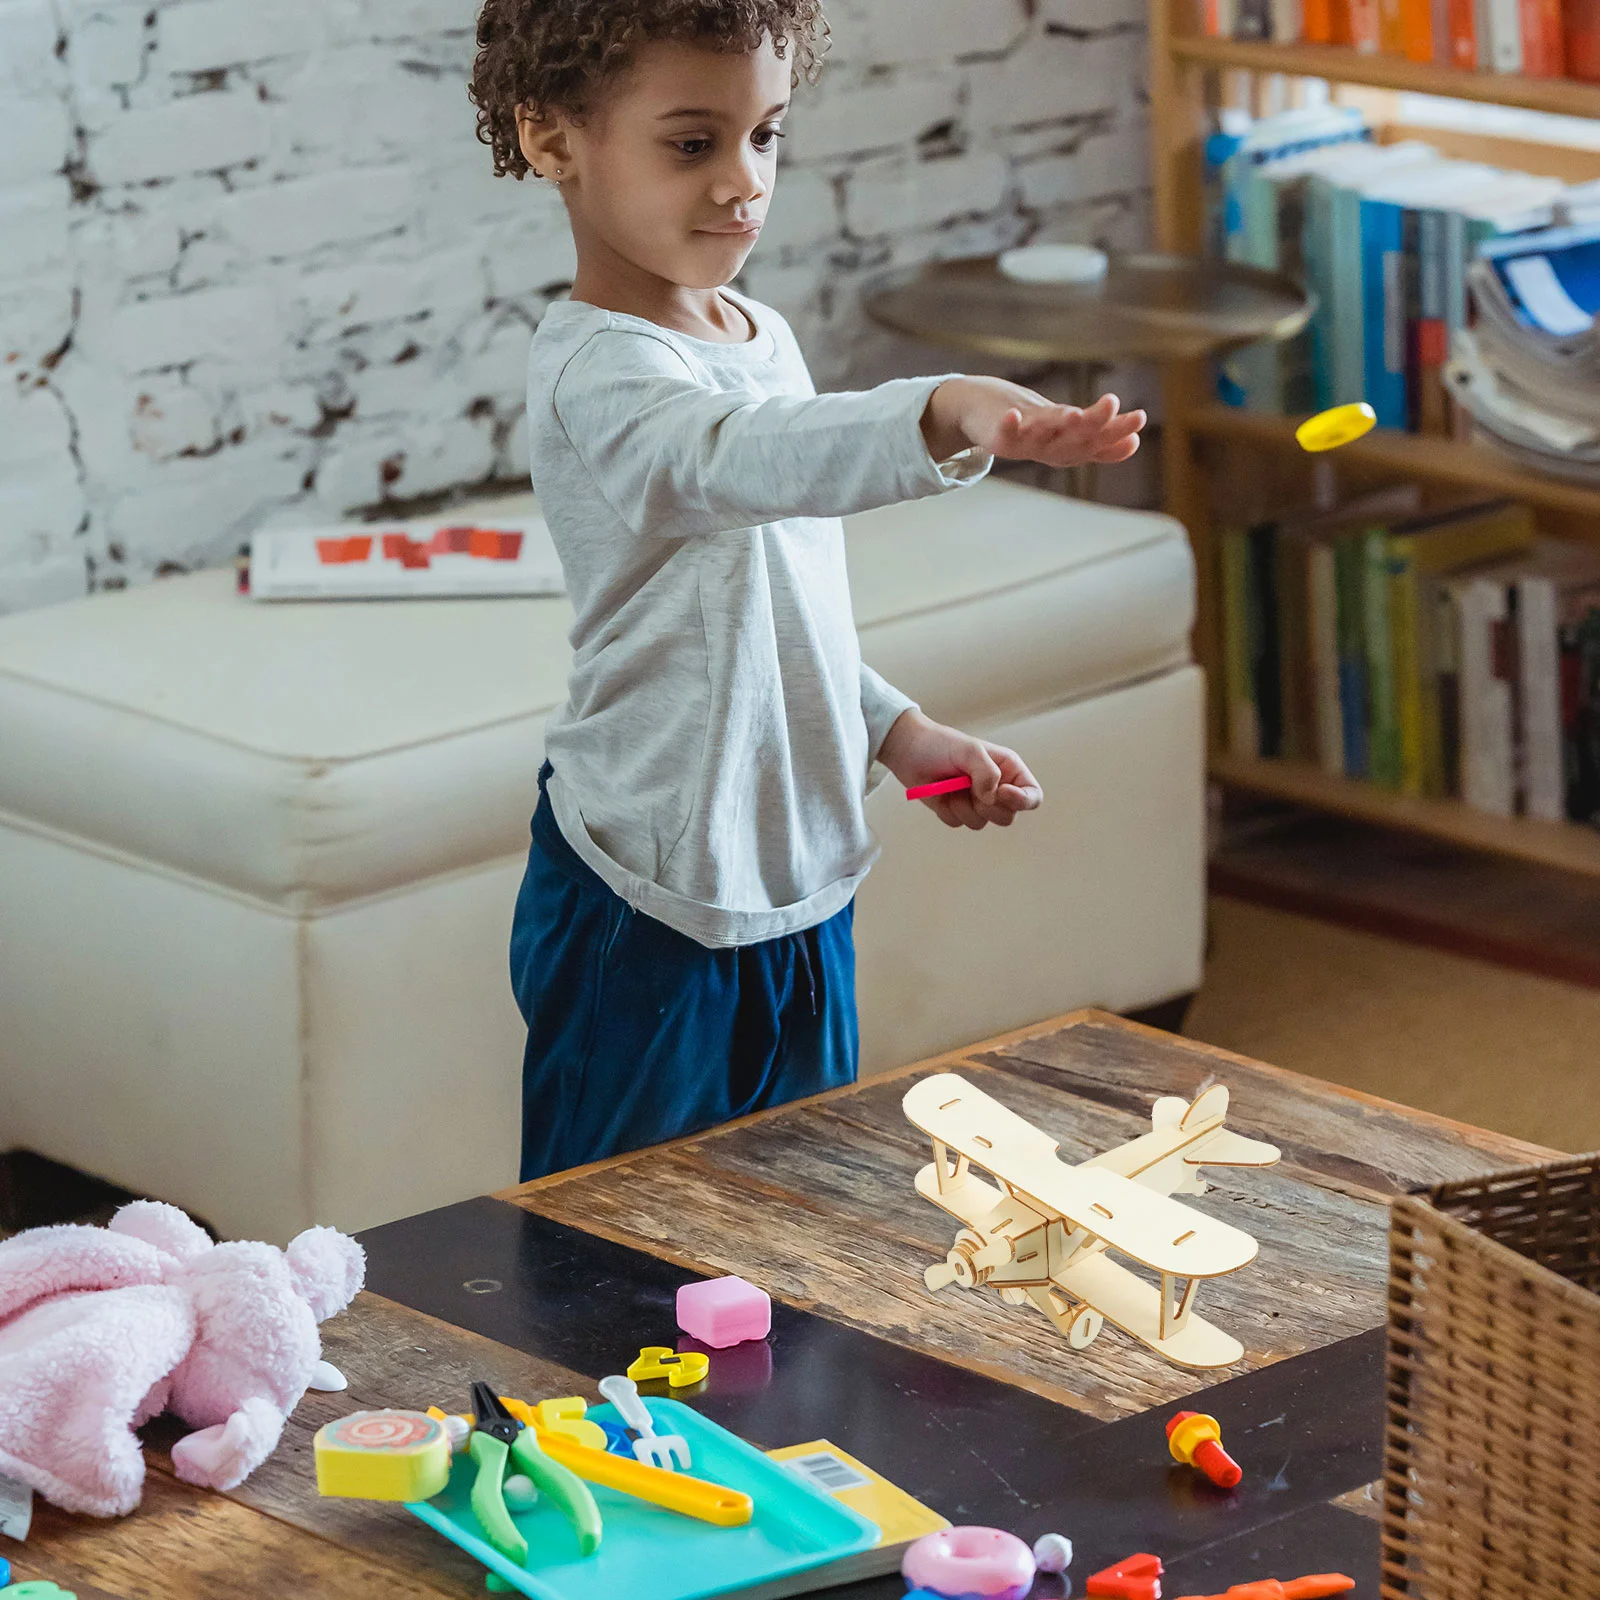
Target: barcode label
point(828, 1472)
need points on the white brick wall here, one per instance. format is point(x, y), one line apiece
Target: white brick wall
point(254, 265)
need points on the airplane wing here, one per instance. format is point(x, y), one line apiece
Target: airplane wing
point(1147, 1227)
point(1135, 1306)
point(1163, 1234)
point(959, 1114)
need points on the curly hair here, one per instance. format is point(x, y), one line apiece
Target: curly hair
point(556, 54)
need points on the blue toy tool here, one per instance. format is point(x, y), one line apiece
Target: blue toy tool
point(618, 1440)
point(649, 1550)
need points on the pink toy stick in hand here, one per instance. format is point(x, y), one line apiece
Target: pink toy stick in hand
point(926, 791)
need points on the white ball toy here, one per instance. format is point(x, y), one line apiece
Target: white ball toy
point(519, 1492)
point(1052, 1553)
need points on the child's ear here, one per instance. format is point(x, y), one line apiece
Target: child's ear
point(543, 142)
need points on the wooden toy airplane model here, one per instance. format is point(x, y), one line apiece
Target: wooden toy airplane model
point(1044, 1235)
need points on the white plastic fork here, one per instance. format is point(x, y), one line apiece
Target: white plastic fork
point(669, 1451)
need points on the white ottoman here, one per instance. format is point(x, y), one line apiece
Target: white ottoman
point(257, 863)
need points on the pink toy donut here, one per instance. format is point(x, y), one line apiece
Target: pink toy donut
point(958, 1561)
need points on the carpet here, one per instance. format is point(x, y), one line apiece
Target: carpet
point(1442, 1032)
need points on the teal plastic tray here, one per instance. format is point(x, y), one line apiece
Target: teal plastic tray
point(651, 1554)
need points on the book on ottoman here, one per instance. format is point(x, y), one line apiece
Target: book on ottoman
point(402, 561)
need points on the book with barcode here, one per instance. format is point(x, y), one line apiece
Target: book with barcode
point(900, 1519)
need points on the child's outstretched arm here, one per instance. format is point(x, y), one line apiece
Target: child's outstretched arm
point(1006, 420)
point(677, 458)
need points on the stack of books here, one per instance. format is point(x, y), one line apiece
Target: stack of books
point(1386, 237)
point(1532, 38)
point(1443, 652)
point(1527, 371)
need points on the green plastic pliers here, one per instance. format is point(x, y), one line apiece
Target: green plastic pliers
point(499, 1437)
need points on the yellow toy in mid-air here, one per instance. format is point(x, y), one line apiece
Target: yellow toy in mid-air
point(1330, 429)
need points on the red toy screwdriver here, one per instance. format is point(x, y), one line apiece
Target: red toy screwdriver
point(1196, 1440)
point(926, 791)
point(1313, 1588)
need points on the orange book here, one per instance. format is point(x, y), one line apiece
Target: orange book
point(1316, 21)
point(1416, 30)
point(1583, 39)
point(1364, 29)
point(1339, 21)
point(1391, 27)
point(1544, 50)
point(1464, 35)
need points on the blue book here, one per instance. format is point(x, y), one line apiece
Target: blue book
point(1348, 319)
point(1457, 251)
point(1383, 311)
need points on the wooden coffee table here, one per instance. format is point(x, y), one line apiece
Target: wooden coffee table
point(976, 1407)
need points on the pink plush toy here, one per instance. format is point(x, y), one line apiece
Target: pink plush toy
point(103, 1328)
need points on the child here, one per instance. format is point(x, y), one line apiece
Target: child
point(681, 948)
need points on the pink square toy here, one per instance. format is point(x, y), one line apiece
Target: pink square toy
point(724, 1311)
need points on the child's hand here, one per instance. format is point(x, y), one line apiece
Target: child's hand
point(1013, 422)
point(919, 750)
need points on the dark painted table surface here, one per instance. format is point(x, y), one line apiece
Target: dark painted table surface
point(977, 1408)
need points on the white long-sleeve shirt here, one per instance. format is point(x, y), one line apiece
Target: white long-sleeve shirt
point(712, 758)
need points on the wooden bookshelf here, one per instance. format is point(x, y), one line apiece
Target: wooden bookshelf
point(1187, 76)
point(1553, 844)
point(1564, 96)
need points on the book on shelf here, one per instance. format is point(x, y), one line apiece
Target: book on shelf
point(1487, 738)
point(1445, 652)
point(1580, 707)
point(1581, 33)
point(1500, 41)
point(1544, 47)
point(1365, 26)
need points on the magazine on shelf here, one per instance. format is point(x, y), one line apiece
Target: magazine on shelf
point(1546, 286)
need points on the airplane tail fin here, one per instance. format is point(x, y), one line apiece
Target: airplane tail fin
point(1227, 1149)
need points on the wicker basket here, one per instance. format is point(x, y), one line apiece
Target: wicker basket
point(1492, 1449)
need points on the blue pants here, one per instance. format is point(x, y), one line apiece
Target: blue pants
point(636, 1033)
